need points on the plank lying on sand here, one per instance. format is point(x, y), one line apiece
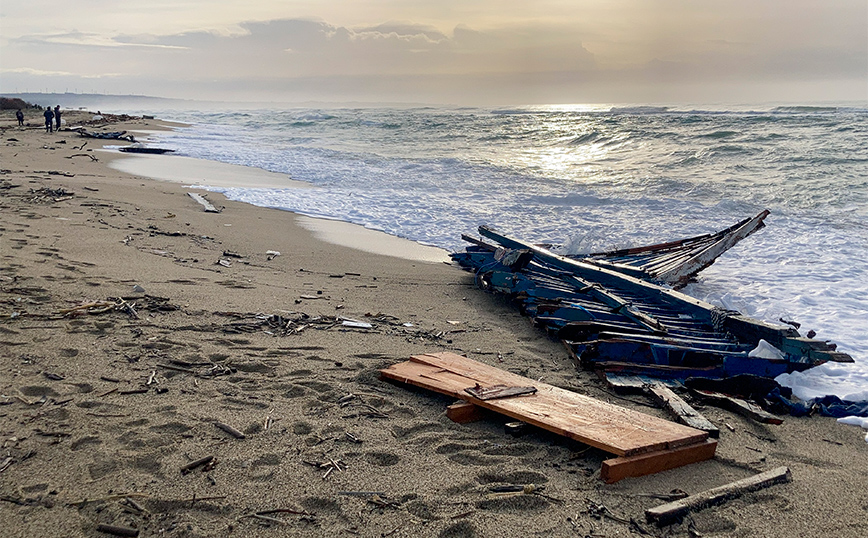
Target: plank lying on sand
point(681, 410)
point(737, 405)
point(209, 208)
point(669, 512)
point(611, 428)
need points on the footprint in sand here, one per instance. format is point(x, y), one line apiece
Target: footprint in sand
point(321, 504)
point(382, 459)
point(84, 442)
point(38, 391)
point(301, 428)
point(514, 504)
point(514, 477)
point(462, 529)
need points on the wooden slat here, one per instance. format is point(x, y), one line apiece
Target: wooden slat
point(644, 464)
point(611, 428)
point(681, 410)
point(669, 512)
point(737, 405)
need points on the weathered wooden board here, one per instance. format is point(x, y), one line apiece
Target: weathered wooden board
point(737, 405)
point(611, 428)
point(681, 410)
point(209, 208)
point(627, 383)
point(668, 512)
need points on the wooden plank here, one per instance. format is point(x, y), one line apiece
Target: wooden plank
point(205, 203)
point(681, 410)
point(464, 412)
point(737, 405)
point(626, 383)
point(669, 512)
point(644, 464)
point(611, 428)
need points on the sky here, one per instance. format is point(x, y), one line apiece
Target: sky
point(464, 52)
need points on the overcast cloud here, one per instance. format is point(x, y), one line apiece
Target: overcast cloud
point(481, 52)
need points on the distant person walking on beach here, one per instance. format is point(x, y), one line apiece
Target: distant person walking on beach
point(20, 116)
point(49, 115)
point(57, 116)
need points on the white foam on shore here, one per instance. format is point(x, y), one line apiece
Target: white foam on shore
point(354, 236)
point(200, 173)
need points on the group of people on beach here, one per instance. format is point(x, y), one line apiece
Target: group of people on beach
point(49, 116)
point(52, 118)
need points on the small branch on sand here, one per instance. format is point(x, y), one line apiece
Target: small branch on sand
point(92, 158)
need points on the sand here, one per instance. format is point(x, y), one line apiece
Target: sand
point(100, 412)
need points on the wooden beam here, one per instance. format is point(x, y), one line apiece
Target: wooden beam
point(681, 410)
point(669, 512)
point(464, 412)
point(742, 407)
point(644, 464)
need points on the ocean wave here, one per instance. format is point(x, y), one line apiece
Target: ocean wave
point(805, 109)
point(720, 134)
point(639, 110)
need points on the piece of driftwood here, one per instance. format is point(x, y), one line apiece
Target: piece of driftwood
point(669, 512)
point(117, 530)
point(196, 463)
point(152, 151)
point(681, 410)
point(609, 427)
point(737, 405)
point(230, 430)
point(209, 208)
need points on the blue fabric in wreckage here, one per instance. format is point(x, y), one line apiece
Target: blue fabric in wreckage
point(829, 406)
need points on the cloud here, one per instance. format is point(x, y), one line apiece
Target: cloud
point(518, 59)
point(81, 39)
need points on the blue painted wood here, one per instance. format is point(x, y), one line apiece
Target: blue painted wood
point(654, 327)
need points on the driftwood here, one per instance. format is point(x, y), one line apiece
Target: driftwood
point(681, 410)
point(669, 512)
point(209, 208)
point(737, 405)
point(117, 531)
point(230, 430)
point(193, 464)
point(118, 135)
point(152, 151)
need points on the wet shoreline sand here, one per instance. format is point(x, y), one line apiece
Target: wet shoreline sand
point(109, 406)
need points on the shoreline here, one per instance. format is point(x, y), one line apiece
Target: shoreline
point(193, 173)
point(105, 406)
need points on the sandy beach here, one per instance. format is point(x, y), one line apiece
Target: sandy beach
point(133, 323)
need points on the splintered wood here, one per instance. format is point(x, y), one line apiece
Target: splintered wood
point(645, 444)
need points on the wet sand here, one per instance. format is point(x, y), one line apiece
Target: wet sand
point(192, 322)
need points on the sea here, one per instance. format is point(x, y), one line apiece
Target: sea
point(588, 178)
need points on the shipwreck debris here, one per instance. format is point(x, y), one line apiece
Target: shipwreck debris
point(616, 320)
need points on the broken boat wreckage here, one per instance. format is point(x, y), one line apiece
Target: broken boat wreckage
point(614, 314)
